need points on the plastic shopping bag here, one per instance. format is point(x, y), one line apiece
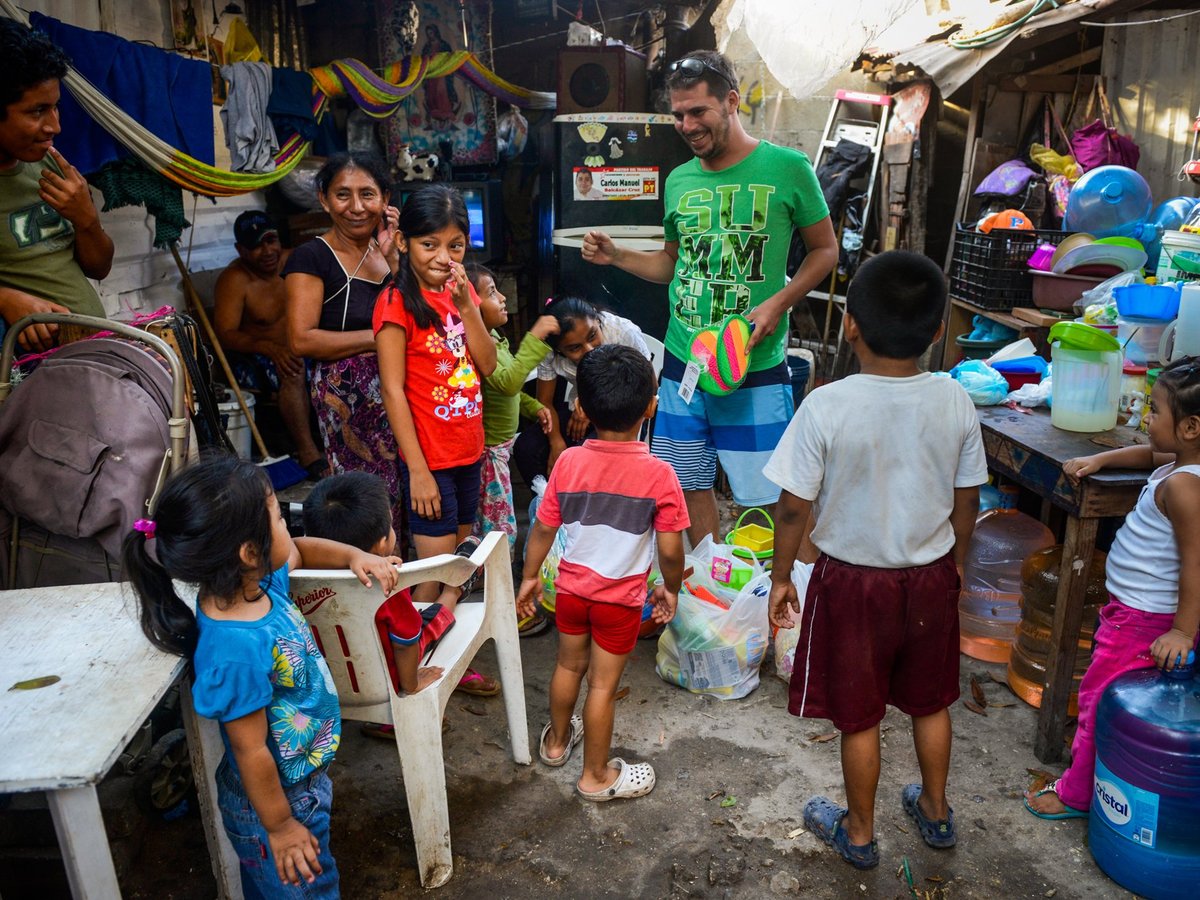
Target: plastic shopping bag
point(714, 651)
point(984, 385)
point(717, 568)
point(549, 571)
point(787, 638)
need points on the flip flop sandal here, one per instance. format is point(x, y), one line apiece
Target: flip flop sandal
point(938, 833)
point(633, 780)
point(478, 685)
point(318, 469)
point(824, 819)
point(576, 737)
point(531, 625)
point(1069, 813)
point(465, 549)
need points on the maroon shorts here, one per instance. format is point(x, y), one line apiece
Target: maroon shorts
point(870, 637)
point(613, 627)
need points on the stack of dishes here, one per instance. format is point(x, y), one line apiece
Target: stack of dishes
point(1080, 263)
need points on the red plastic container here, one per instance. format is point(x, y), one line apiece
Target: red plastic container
point(1017, 379)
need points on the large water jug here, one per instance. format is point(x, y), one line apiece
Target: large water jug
point(1182, 337)
point(1111, 201)
point(989, 607)
point(1144, 827)
point(1167, 216)
point(1039, 596)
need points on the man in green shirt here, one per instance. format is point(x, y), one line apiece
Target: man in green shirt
point(51, 240)
point(730, 215)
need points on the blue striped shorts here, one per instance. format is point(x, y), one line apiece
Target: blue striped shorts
point(740, 429)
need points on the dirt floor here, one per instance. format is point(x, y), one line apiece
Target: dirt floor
point(723, 821)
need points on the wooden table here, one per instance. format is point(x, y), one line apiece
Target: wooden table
point(1028, 450)
point(64, 737)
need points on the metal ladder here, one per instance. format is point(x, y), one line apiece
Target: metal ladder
point(841, 125)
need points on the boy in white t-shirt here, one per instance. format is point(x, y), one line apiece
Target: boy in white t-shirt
point(889, 462)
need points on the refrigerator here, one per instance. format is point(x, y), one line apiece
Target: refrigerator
point(610, 173)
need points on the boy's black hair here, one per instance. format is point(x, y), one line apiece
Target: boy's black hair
point(352, 508)
point(1181, 380)
point(897, 298)
point(615, 384)
point(205, 514)
point(568, 311)
point(29, 58)
point(475, 271)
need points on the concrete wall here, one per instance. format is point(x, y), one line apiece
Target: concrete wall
point(142, 277)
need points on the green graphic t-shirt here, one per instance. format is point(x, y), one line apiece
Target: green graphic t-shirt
point(734, 228)
point(37, 245)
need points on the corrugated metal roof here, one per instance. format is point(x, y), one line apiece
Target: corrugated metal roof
point(951, 68)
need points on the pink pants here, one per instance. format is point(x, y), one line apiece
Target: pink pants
point(1122, 644)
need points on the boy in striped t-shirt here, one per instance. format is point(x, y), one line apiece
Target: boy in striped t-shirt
point(615, 501)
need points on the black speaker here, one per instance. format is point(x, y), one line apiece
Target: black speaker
point(601, 79)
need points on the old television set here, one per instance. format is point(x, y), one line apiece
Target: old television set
point(484, 200)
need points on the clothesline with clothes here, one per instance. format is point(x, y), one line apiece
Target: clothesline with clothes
point(378, 96)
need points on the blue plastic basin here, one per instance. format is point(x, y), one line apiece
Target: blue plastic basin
point(1148, 301)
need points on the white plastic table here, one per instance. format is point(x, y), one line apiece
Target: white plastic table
point(64, 737)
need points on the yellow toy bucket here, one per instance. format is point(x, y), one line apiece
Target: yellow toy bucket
point(752, 541)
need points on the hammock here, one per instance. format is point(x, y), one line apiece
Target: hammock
point(378, 97)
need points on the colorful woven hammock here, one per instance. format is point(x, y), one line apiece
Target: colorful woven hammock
point(378, 96)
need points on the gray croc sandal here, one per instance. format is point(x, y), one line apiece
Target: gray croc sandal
point(633, 780)
point(576, 737)
point(824, 819)
point(936, 833)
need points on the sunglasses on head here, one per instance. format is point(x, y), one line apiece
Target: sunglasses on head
point(691, 67)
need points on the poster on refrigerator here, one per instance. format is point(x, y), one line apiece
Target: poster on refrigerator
point(616, 182)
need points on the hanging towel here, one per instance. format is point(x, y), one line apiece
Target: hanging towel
point(291, 104)
point(171, 96)
point(127, 182)
point(249, 134)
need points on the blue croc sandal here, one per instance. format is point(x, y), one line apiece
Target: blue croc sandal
point(824, 819)
point(936, 833)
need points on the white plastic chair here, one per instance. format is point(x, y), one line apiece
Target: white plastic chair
point(341, 612)
point(657, 352)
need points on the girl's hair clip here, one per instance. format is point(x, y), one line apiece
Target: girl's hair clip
point(549, 300)
point(146, 527)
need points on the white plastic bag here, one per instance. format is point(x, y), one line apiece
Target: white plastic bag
point(716, 568)
point(787, 638)
point(713, 651)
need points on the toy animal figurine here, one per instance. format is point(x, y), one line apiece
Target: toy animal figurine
point(411, 166)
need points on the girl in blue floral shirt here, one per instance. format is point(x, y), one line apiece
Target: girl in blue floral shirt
point(256, 668)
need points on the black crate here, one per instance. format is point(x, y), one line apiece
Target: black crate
point(990, 269)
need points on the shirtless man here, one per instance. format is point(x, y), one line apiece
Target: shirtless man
point(250, 321)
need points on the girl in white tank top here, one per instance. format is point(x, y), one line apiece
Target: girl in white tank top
point(1153, 572)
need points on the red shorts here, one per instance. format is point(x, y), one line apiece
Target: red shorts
point(613, 627)
point(872, 637)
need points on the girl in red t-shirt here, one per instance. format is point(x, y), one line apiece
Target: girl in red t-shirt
point(434, 352)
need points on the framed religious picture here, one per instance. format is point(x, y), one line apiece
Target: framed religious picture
point(448, 110)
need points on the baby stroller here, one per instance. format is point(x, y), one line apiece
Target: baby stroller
point(87, 440)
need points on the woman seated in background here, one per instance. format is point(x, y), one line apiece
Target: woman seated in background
point(332, 283)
